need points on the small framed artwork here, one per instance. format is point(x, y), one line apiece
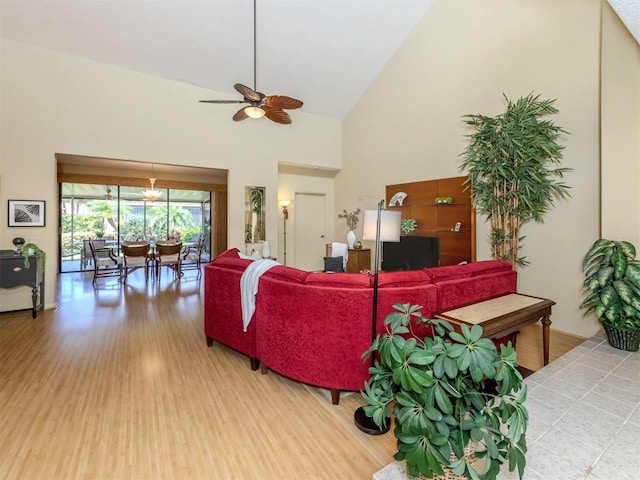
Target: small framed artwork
point(456, 228)
point(27, 213)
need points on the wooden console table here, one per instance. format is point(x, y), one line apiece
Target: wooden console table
point(13, 273)
point(504, 315)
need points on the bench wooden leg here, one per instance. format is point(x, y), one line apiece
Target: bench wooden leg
point(209, 342)
point(335, 396)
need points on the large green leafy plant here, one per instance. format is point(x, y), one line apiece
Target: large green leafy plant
point(612, 283)
point(510, 161)
point(448, 392)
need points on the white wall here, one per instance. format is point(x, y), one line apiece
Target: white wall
point(54, 103)
point(459, 60)
point(620, 131)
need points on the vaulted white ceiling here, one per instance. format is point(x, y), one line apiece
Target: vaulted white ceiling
point(324, 52)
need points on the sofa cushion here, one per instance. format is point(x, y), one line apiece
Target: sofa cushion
point(488, 266)
point(286, 274)
point(403, 278)
point(443, 274)
point(338, 280)
point(231, 261)
point(334, 264)
point(231, 252)
point(462, 291)
point(467, 270)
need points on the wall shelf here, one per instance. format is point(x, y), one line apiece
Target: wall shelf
point(439, 219)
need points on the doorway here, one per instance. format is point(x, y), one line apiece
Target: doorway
point(115, 187)
point(115, 213)
point(310, 231)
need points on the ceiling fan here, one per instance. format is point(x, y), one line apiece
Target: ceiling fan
point(260, 105)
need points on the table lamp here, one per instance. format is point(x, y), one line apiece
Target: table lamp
point(18, 242)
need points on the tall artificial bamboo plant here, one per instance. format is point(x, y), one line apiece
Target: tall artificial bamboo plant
point(510, 162)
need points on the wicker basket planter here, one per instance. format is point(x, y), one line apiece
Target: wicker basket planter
point(474, 461)
point(622, 338)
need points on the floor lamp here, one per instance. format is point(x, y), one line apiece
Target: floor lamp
point(285, 212)
point(381, 226)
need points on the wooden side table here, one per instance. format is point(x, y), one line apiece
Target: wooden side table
point(359, 259)
point(504, 315)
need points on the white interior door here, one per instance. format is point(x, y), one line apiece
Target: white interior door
point(310, 221)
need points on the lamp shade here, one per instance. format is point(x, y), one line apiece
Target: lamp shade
point(389, 225)
point(254, 112)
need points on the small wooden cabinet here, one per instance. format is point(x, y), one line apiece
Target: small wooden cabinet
point(359, 259)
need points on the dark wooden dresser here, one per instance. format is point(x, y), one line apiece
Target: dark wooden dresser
point(13, 274)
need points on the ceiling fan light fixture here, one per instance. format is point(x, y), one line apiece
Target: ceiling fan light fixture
point(254, 112)
point(260, 105)
point(153, 194)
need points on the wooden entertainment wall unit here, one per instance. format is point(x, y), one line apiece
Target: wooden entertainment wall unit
point(440, 219)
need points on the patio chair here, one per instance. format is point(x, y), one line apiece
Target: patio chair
point(105, 263)
point(86, 257)
point(136, 255)
point(192, 257)
point(168, 254)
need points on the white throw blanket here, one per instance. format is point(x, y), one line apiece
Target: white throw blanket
point(340, 250)
point(249, 287)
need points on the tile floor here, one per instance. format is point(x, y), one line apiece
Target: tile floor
point(584, 417)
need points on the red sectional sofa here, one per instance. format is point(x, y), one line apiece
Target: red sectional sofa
point(314, 327)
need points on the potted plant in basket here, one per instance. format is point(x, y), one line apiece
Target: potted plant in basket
point(612, 284)
point(457, 402)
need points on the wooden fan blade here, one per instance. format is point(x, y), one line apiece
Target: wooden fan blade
point(247, 92)
point(281, 101)
point(223, 101)
point(240, 115)
point(277, 115)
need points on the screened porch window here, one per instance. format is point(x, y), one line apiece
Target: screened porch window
point(118, 213)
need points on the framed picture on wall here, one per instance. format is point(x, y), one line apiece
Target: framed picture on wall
point(27, 213)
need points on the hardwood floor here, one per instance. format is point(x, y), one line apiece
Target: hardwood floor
point(529, 345)
point(117, 383)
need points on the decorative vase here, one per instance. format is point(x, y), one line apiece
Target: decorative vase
point(266, 250)
point(351, 238)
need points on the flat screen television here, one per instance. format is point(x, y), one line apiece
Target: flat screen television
point(410, 253)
